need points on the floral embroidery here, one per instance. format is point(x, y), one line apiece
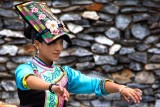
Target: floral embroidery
point(42, 16)
point(34, 10)
point(52, 26)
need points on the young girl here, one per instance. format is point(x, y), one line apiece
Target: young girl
point(41, 83)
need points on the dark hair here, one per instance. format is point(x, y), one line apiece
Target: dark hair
point(30, 33)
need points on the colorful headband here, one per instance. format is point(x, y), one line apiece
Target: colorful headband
point(40, 17)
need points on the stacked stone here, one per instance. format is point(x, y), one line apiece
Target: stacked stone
point(116, 39)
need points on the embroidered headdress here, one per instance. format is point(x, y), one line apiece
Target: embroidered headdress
point(40, 17)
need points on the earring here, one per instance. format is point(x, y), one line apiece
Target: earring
point(37, 51)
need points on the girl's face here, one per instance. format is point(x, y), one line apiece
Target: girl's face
point(49, 53)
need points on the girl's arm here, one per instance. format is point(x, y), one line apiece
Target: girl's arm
point(126, 92)
point(34, 82)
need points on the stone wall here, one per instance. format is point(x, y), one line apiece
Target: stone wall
point(117, 39)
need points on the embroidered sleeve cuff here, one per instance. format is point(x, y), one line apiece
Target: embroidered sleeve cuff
point(24, 81)
point(104, 92)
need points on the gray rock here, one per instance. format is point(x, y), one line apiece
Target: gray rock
point(112, 96)
point(13, 101)
point(155, 58)
point(104, 59)
point(151, 66)
point(137, 85)
point(142, 47)
point(156, 85)
point(10, 65)
point(75, 2)
point(139, 105)
point(103, 1)
point(150, 4)
point(18, 42)
point(85, 59)
point(81, 43)
point(151, 40)
point(14, 24)
point(140, 31)
point(104, 40)
point(148, 99)
point(21, 59)
point(8, 49)
point(2, 68)
point(98, 48)
point(122, 21)
point(148, 91)
point(95, 74)
point(127, 42)
point(9, 85)
point(142, 77)
point(85, 66)
point(74, 28)
point(6, 4)
point(140, 17)
point(84, 97)
point(11, 33)
point(86, 103)
point(1, 24)
point(66, 60)
point(5, 75)
point(95, 30)
point(78, 52)
point(72, 8)
point(126, 50)
point(123, 59)
point(133, 9)
point(120, 104)
point(157, 103)
point(75, 104)
point(83, 22)
point(3, 59)
point(2, 41)
point(90, 15)
point(135, 66)
point(154, 50)
point(111, 69)
point(111, 8)
point(157, 73)
point(113, 33)
point(127, 2)
point(70, 17)
point(155, 31)
point(98, 103)
point(84, 36)
point(158, 45)
point(139, 57)
point(60, 3)
point(8, 13)
point(106, 17)
point(113, 49)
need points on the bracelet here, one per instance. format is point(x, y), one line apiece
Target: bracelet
point(122, 89)
point(50, 88)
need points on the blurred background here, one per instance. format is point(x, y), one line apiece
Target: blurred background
point(115, 39)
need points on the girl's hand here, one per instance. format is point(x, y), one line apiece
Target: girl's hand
point(131, 94)
point(61, 91)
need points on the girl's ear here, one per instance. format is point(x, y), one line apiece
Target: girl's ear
point(36, 43)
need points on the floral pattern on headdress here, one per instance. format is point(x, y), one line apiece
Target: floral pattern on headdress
point(34, 10)
point(52, 26)
point(42, 16)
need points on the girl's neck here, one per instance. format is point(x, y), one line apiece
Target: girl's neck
point(47, 63)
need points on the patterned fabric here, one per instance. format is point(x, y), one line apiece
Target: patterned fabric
point(76, 83)
point(39, 16)
point(59, 77)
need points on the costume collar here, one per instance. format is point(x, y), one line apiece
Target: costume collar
point(41, 62)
